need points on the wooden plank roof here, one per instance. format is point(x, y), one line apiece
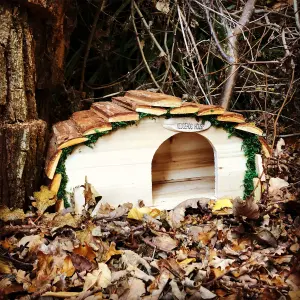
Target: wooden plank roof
point(122, 109)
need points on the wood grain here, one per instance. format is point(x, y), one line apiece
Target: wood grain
point(153, 99)
point(67, 135)
point(185, 108)
point(231, 117)
point(88, 122)
point(112, 112)
point(132, 105)
point(206, 110)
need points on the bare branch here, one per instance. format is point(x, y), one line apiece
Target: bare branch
point(214, 35)
point(141, 50)
point(233, 51)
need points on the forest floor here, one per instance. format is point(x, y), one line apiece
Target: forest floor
point(202, 249)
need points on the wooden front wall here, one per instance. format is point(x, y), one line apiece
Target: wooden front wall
point(159, 166)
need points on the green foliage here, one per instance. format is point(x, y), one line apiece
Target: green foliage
point(250, 146)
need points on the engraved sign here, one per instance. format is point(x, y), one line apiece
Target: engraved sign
point(186, 125)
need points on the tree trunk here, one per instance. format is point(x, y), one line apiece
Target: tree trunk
point(32, 52)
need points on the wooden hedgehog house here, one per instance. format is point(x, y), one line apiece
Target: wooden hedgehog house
point(154, 147)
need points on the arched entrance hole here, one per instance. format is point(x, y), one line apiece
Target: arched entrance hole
point(183, 168)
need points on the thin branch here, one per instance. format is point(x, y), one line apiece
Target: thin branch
point(282, 106)
point(162, 52)
point(214, 35)
point(189, 55)
point(141, 49)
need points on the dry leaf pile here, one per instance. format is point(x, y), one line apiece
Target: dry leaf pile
point(202, 249)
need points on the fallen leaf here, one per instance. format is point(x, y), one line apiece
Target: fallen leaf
point(206, 294)
point(164, 242)
point(186, 261)
point(136, 289)
point(222, 206)
point(9, 243)
point(276, 183)
point(111, 252)
point(173, 266)
point(32, 242)
point(131, 258)
point(221, 263)
point(205, 237)
point(177, 293)
point(175, 217)
point(267, 237)
point(65, 220)
point(86, 251)
point(137, 273)
point(81, 263)
point(104, 280)
point(7, 215)
point(68, 267)
point(44, 198)
point(247, 208)
point(157, 287)
point(88, 193)
point(5, 266)
point(137, 213)
point(99, 278)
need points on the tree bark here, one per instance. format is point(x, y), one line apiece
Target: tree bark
point(33, 40)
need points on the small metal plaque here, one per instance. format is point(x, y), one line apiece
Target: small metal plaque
point(186, 125)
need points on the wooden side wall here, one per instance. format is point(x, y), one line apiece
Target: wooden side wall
point(120, 165)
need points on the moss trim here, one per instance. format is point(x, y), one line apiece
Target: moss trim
point(250, 146)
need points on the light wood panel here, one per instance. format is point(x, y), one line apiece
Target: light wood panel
point(170, 193)
point(119, 166)
point(183, 156)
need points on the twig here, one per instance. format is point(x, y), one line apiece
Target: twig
point(89, 43)
point(91, 100)
point(189, 54)
point(259, 73)
point(162, 52)
point(195, 48)
point(86, 294)
point(141, 48)
point(6, 230)
point(282, 106)
point(214, 35)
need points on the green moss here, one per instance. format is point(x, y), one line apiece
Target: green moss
point(92, 138)
point(61, 169)
point(250, 146)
